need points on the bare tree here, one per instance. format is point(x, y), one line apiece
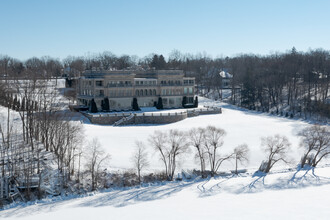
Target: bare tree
point(158, 142)
point(177, 145)
point(196, 139)
point(140, 158)
point(95, 159)
point(276, 148)
point(316, 141)
point(241, 154)
point(170, 146)
point(309, 137)
point(213, 141)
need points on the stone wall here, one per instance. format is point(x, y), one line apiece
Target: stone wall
point(140, 118)
point(149, 118)
point(103, 119)
point(207, 111)
point(164, 118)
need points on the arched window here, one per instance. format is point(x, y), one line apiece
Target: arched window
point(137, 92)
point(150, 92)
point(154, 91)
point(146, 92)
point(141, 92)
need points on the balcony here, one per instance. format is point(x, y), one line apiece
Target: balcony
point(119, 85)
point(146, 85)
point(171, 84)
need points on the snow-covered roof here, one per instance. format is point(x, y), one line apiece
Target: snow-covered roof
point(224, 74)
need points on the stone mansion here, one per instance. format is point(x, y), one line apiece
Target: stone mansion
point(121, 86)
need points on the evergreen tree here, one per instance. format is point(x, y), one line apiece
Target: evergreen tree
point(154, 62)
point(160, 103)
point(196, 102)
point(135, 105)
point(161, 62)
point(184, 101)
point(248, 92)
point(102, 105)
point(106, 104)
point(93, 107)
point(158, 62)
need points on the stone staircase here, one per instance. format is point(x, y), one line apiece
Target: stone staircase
point(124, 119)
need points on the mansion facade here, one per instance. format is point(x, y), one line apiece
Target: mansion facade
point(121, 86)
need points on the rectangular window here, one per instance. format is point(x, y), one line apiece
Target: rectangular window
point(171, 101)
point(185, 91)
point(165, 101)
point(112, 93)
point(190, 90)
point(178, 101)
point(99, 83)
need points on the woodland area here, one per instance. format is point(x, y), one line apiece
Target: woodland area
point(292, 83)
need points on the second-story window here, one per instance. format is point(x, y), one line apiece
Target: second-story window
point(99, 83)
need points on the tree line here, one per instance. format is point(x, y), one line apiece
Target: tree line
point(42, 127)
point(292, 82)
point(207, 144)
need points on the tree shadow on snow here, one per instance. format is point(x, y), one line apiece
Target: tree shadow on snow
point(120, 198)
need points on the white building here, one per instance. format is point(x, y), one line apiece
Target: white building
point(120, 87)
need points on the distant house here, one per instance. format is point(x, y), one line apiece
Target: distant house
point(226, 79)
point(120, 87)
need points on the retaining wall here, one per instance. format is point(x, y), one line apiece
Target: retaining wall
point(150, 117)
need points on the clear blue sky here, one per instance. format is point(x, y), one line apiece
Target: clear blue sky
point(59, 28)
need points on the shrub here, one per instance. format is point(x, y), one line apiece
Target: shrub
point(135, 105)
point(93, 106)
point(160, 103)
point(196, 102)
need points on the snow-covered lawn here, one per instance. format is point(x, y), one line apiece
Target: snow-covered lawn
point(241, 126)
point(283, 195)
